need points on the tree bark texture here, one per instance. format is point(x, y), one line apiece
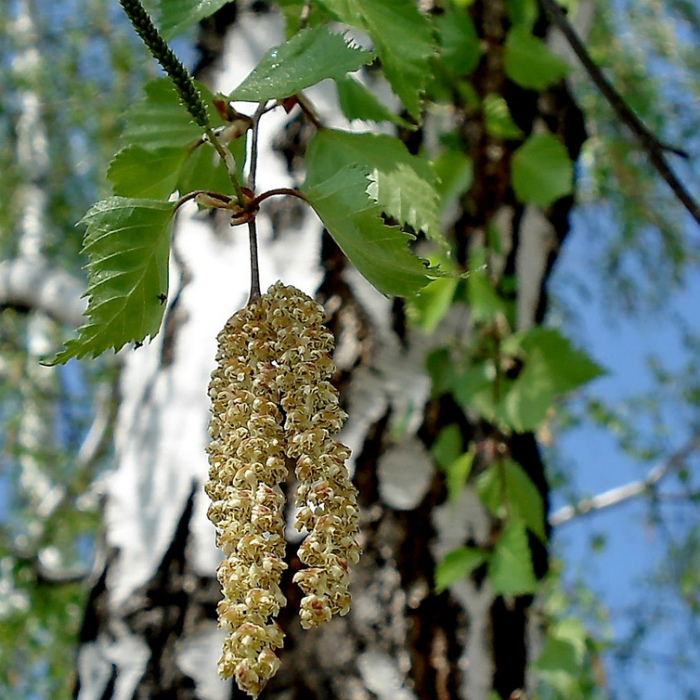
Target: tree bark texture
point(149, 629)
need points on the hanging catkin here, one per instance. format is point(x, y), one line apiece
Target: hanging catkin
point(271, 397)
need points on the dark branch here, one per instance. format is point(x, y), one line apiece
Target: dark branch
point(654, 148)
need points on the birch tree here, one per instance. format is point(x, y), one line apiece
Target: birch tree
point(429, 251)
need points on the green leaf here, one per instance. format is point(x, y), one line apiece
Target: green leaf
point(458, 472)
point(357, 102)
point(379, 252)
point(561, 660)
point(455, 172)
point(456, 565)
point(429, 306)
point(529, 62)
point(203, 169)
point(159, 120)
point(307, 58)
point(447, 446)
point(441, 369)
point(461, 47)
point(510, 565)
point(499, 122)
point(506, 490)
point(542, 170)
point(484, 302)
point(551, 367)
point(137, 172)
point(127, 242)
point(523, 12)
point(178, 15)
point(402, 37)
point(404, 184)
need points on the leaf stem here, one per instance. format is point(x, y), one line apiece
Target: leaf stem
point(273, 193)
point(229, 161)
point(308, 110)
point(191, 195)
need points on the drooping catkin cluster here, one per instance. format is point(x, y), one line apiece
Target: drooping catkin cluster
point(271, 399)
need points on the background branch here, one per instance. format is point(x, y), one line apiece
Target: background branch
point(623, 493)
point(654, 148)
point(32, 284)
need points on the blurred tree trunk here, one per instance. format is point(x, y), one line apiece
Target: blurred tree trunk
point(149, 628)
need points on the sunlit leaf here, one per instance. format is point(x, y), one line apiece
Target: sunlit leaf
point(510, 565)
point(178, 15)
point(403, 184)
point(379, 252)
point(307, 58)
point(402, 37)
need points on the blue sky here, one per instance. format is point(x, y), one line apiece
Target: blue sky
point(633, 548)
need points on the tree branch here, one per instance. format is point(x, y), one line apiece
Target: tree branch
point(33, 284)
point(623, 493)
point(654, 148)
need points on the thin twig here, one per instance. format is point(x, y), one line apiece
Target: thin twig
point(623, 493)
point(254, 265)
point(253, 170)
point(650, 144)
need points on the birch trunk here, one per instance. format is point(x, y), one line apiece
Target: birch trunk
point(149, 629)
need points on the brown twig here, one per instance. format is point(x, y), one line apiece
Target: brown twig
point(255, 203)
point(254, 264)
point(650, 144)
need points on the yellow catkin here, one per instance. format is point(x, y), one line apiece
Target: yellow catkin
point(271, 398)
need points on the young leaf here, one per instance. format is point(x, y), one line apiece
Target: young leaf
point(307, 58)
point(461, 48)
point(458, 472)
point(447, 446)
point(178, 15)
point(428, 308)
point(529, 62)
point(455, 172)
point(404, 185)
point(402, 37)
point(357, 102)
point(542, 170)
point(507, 486)
point(552, 367)
point(160, 121)
point(510, 566)
point(127, 242)
point(379, 252)
point(499, 122)
point(137, 172)
point(456, 565)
